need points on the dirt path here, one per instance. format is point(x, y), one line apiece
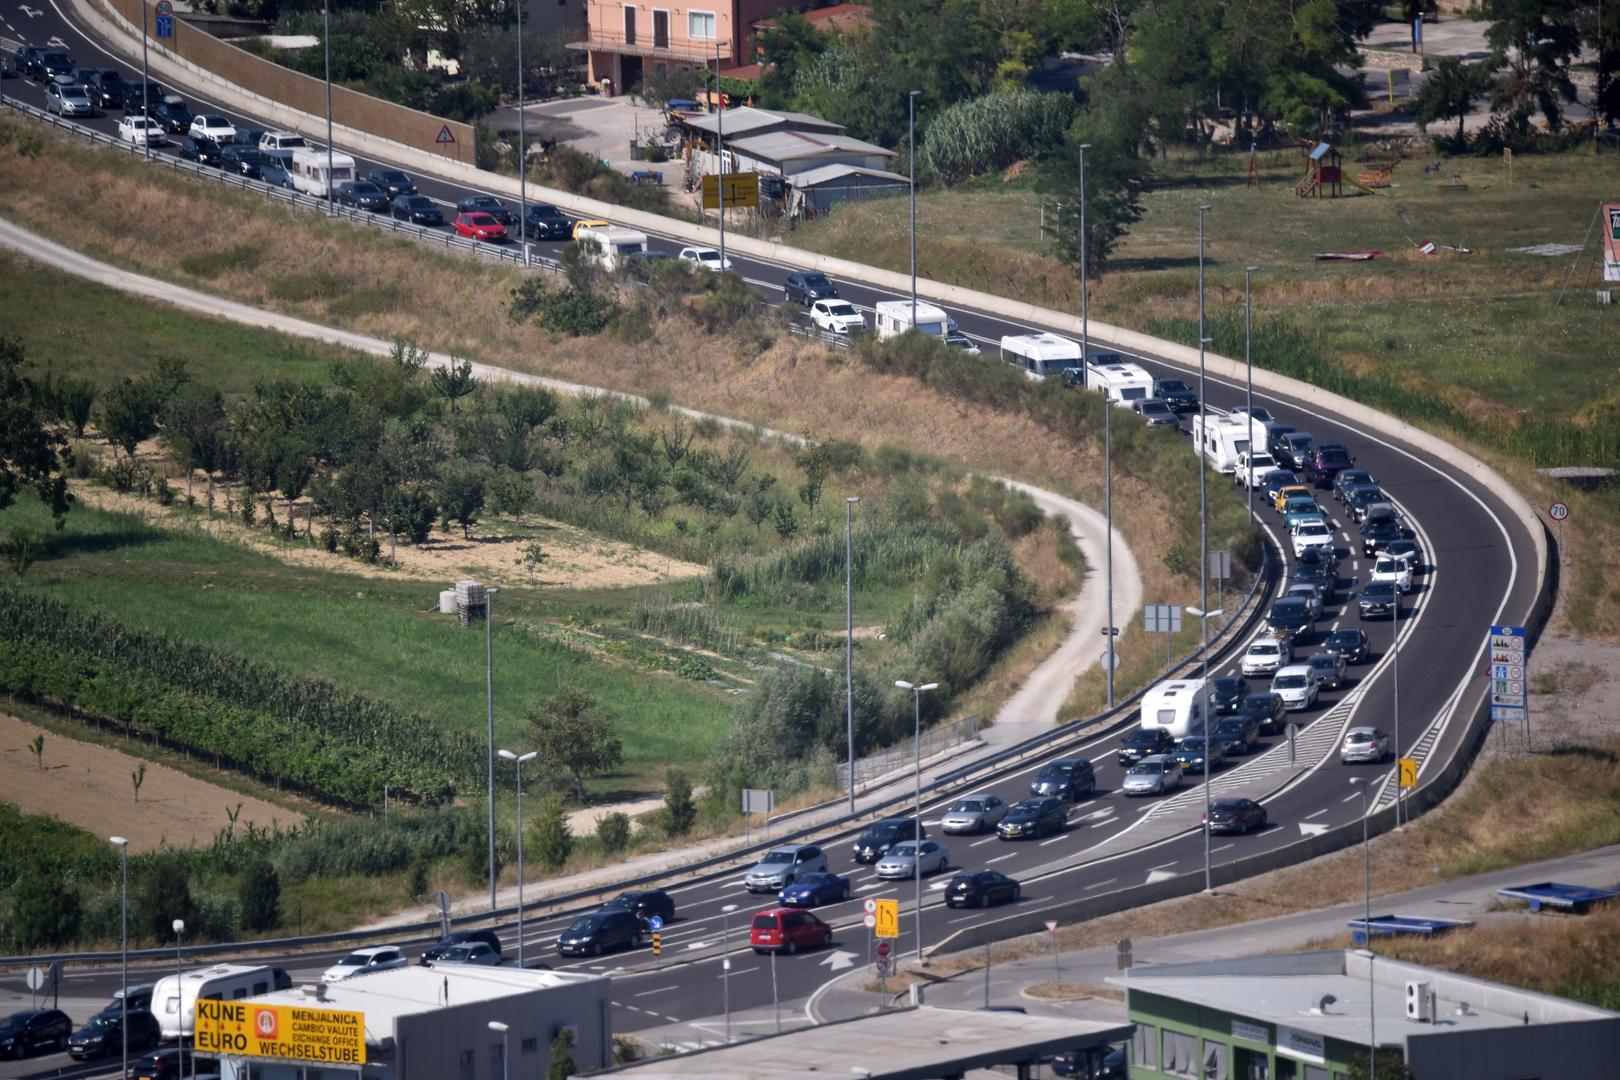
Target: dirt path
point(89, 785)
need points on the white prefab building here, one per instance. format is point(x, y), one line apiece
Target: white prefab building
point(894, 317)
point(1221, 439)
point(1120, 380)
point(1176, 705)
point(310, 171)
point(1040, 356)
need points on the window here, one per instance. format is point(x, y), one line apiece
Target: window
point(1180, 1054)
point(700, 25)
point(466, 1071)
point(1214, 1061)
point(1142, 1046)
point(530, 1045)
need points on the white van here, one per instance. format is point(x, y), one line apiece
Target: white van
point(174, 998)
point(1176, 705)
point(894, 319)
point(309, 171)
point(1121, 381)
point(607, 245)
point(1040, 356)
point(1222, 440)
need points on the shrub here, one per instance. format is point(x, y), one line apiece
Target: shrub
point(577, 313)
point(993, 131)
point(613, 832)
point(680, 812)
point(550, 840)
point(259, 895)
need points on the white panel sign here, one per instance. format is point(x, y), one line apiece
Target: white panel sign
point(1301, 1045)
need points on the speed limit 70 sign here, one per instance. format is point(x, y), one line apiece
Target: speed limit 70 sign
point(1558, 511)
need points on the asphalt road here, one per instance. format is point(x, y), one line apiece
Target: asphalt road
point(1479, 574)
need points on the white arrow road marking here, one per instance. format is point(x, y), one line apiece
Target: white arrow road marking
point(697, 945)
point(1107, 811)
point(1311, 829)
point(939, 886)
point(31, 12)
point(869, 888)
point(839, 960)
point(57, 43)
point(1159, 875)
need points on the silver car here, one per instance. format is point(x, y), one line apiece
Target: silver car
point(1363, 744)
point(473, 952)
point(903, 859)
point(1152, 776)
point(782, 866)
point(974, 814)
point(67, 100)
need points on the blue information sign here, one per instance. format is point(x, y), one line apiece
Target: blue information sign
point(1508, 683)
point(165, 26)
point(655, 922)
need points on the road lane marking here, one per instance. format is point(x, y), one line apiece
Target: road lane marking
point(660, 990)
point(999, 858)
point(1318, 813)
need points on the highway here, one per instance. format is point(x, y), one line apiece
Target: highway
point(1480, 572)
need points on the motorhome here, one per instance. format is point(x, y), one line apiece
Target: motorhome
point(1040, 356)
point(1177, 706)
point(608, 245)
point(310, 168)
point(1222, 440)
point(174, 997)
point(1121, 381)
point(894, 318)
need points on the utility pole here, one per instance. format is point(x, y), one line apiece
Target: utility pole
point(911, 143)
point(489, 711)
point(849, 639)
point(326, 43)
point(523, 163)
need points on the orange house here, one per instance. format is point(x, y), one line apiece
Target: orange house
point(626, 42)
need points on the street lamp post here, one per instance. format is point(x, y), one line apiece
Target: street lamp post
point(146, 113)
point(123, 926)
point(1395, 677)
point(911, 153)
point(1204, 718)
point(1108, 420)
point(1203, 434)
point(489, 711)
point(1366, 875)
point(501, 1030)
point(179, 928)
point(720, 145)
point(916, 843)
point(849, 639)
point(518, 761)
point(326, 43)
point(725, 963)
point(1248, 361)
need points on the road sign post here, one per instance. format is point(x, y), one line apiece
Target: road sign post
point(886, 918)
point(164, 27)
point(1164, 619)
point(1409, 772)
point(1510, 699)
point(1123, 959)
point(1057, 970)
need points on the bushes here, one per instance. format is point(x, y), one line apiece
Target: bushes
point(991, 132)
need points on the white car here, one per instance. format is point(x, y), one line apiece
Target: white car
point(962, 342)
point(1251, 467)
point(706, 257)
point(1297, 685)
point(1389, 568)
point(67, 100)
point(1312, 534)
point(141, 131)
point(213, 126)
point(1266, 655)
point(282, 140)
point(1257, 413)
point(837, 317)
point(364, 962)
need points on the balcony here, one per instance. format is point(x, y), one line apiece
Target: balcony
point(656, 46)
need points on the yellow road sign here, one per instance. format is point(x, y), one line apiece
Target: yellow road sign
point(1409, 767)
point(288, 1032)
point(741, 189)
point(888, 918)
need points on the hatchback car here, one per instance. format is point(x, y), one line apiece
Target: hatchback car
point(1379, 600)
point(34, 1031)
point(486, 204)
point(787, 930)
point(813, 890)
point(1267, 710)
point(974, 814)
point(1290, 617)
point(878, 837)
point(462, 937)
point(1237, 735)
point(981, 888)
point(1226, 693)
point(645, 903)
point(475, 953)
point(201, 149)
point(392, 181)
point(1300, 509)
point(67, 100)
point(174, 114)
point(1348, 479)
point(241, 159)
point(365, 962)
point(1176, 394)
point(417, 209)
point(1376, 536)
point(363, 195)
point(480, 226)
point(106, 88)
point(1152, 776)
point(1235, 816)
point(545, 222)
point(1065, 778)
point(1144, 743)
point(781, 866)
point(1292, 449)
point(600, 932)
point(1265, 655)
point(1349, 643)
point(1363, 744)
point(1329, 669)
point(1033, 819)
point(706, 258)
point(104, 1034)
point(1191, 752)
point(903, 859)
point(837, 317)
point(807, 286)
point(1297, 686)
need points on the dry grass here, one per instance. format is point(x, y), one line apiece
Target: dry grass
point(1013, 666)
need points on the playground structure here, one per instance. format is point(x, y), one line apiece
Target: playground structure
point(1380, 174)
point(1326, 173)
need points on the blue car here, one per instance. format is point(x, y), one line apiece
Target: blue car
point(813, 890)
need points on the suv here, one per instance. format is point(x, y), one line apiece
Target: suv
point(106, 88)
point(174, 114)
point(150, 93)
point(645, 903)
point(1065, 778)
point(32, 1030)
point(1379, 600)
point(596, 933)
point(781, 866)
point(1325, 462)
point(104, 1034)
point(1176, 394)
point(545, 222)
point(807, 286)
point(877, 838)
point(1145, 743)
point(462, 937)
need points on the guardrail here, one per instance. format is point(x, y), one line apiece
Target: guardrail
point(816, 333)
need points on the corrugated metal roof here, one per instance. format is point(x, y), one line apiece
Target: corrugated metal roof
point(741, 121)
point(824, 173)
point(797, 145)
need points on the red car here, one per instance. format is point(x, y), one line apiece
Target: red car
point(788, 930)
point(480, 226)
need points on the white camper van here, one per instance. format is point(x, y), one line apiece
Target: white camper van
point(1221, 440)
point(894, 319)
point(1040, 356)
point(1176, 705)
point(174, 998)
point(1121, 381)
point(309, 168)
point(607, 245)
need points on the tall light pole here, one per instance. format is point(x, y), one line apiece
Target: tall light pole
point(916, 843)
point(1108, 419)
point(518, 761)
point(123, 924)
point(146, 132)
point(725, 963)
point(523, 213)
point(179, 928)
point(911, 153)
point(1248, 360)
point(326, 43)
point(849, 638)
point(1366, 875)
point(501, 1030)
point(720, 146)
point(1395, 676)
point(1203, 435)
point(489, 712)
point(1203, 618)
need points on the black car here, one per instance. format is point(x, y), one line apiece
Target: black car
point(1361, 496)
point(1408, 550)
point(1176, 393)
point(1226, 693)
point(462, 937)
point(1324, 462)
point(807, 286)
point(106, 88)
point(1237, 735)
point(877, 838)
point(363, 195)
point(27, 56)
point(1065, 778)
point(151, 93)
point(1235, 815)
point(249, 136)
point(417, 209)
point(104, 1034)
point(645, 903)
point(1379, 600)
point(1350, 478)
point(1033, 818)
point(545, 222)
point(140, 998)
point(1349, 643)
point(174, 115)
point(1292, 450)
point(981, 888)
point(201, 149)
point(243, 160)
point(392, 181)
point(43, 65)
point(171, 1065)
point(600, 932)
point(1290, 617)
point(1325, 580)
point(32, 1031)
point(1267, 710)
point(1274, 437)
point(1325, 557)
point(1145, 742)
point(1093, 1063)
point(1375, 537)
point(486, 204)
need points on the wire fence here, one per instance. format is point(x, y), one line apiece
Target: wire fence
point(936, 740)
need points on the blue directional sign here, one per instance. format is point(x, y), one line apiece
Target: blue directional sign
point(1509, 700)
point(165, 26)
point(655, 922)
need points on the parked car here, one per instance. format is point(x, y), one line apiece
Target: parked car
point(1350, 643)
point(104, 1034)
point(141, 131)
point(243, 159)
point(600, 932)
point(787, 930)
point(213, 126)
point(1192, 750)
point(1229, 815)
point(474, 953)
point(1363, 744)
point(1156, 412)
point(480, 226)
point(67, 100)
point(542, 221)
point(1226, 693)
point(1065, 778)
point(974, 814)
point(1144, 743)
point(904, 859)
point(462, 937)
point(1267, 710)
point(32, 1031)
point(1379, 600)
point(202, 150)
point(366, 962)
point(1033, 818)
point(1176, 393)
point(363, 195)
point(1237, 735)
point(807, 286)
point(1329, 669)
point(392, 181)
point(645, 903)
point(837, 317)
point(1297, 686)
point(1152, 776)
point(706, 258)
point(981, 888)
point(1097, 1063)
point(1265, 655)
point(781, 866)
point(417, 209)
point(877, 838)
point(486, 204)
point(813, 890)
point(174, 114)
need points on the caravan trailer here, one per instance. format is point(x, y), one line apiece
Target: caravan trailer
point(894, 318)
point(1041, 356)
point(1121, 381)
point(309, 167)
point(607, 245)
point(1176, 706)
point(174, 998)
point(1221, 439)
